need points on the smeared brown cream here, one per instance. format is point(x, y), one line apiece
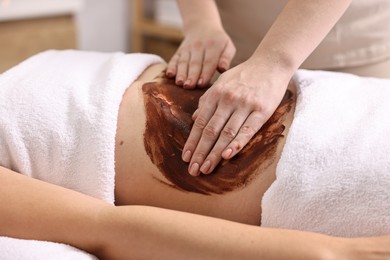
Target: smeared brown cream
point(168, 111)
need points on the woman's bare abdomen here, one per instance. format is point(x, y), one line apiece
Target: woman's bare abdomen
point(142, 179)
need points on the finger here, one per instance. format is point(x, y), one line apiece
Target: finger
point(200, 103)
point(205, 113)
point(226, 57)
point(250, 127)
point(182, 68)
point(195, 67)
point(210, 63)
point(210, 135)
point(228, 133)
point(172, 66)
point(195, 114)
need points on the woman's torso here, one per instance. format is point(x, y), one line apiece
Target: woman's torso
point(139, 181)
point(362, 35)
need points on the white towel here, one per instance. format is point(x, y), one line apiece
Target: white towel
point(333, 176)
point(58, 117)
point(18, 249)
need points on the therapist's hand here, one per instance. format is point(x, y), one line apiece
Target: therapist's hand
point(230, 113)
point(203, 51)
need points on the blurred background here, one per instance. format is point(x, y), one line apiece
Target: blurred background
point(31, 26)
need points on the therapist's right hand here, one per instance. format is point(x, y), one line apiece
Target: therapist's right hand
point(203, 51)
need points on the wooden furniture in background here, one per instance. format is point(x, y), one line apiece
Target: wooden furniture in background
point(148, 35)
point(19, 39)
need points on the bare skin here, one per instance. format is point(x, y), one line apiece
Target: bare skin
point(241, 206)
point(147, 232)
point(244, 97)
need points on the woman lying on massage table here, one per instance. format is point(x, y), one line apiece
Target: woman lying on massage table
point(169, 214)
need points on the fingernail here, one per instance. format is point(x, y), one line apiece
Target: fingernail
point(205, 167)
point(187, 156)
point(194, 169)
point(222, 67)
point(169, 74)
point(200, 81)
point(179, 81)
point(187, 83)
point(227, 153)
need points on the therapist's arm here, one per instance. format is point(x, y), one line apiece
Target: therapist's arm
point(205, 48)
point(244, 97)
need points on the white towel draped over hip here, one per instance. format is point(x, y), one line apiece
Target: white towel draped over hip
point(334, 173)
point(58, 117)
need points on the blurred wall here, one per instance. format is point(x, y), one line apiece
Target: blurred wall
point(103, 25)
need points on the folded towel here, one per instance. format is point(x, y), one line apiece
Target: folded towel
point(18, 249)
point(333, 176)
point(58, 117)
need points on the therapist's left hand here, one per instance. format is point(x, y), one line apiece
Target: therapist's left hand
point(230, 113)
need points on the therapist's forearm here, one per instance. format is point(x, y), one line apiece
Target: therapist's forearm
point(297, 31)
point(199, 13)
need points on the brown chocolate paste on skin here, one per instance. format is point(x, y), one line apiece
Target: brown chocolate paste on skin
point(168, 111)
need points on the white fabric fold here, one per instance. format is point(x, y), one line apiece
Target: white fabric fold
point(58, 119)
point(19, 249)
point(333, 176)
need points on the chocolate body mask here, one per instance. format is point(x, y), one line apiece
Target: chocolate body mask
point(168, 111)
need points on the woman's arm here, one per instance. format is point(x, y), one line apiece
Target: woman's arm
point(244, 97)
point(32, 209)
point(165, 234)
